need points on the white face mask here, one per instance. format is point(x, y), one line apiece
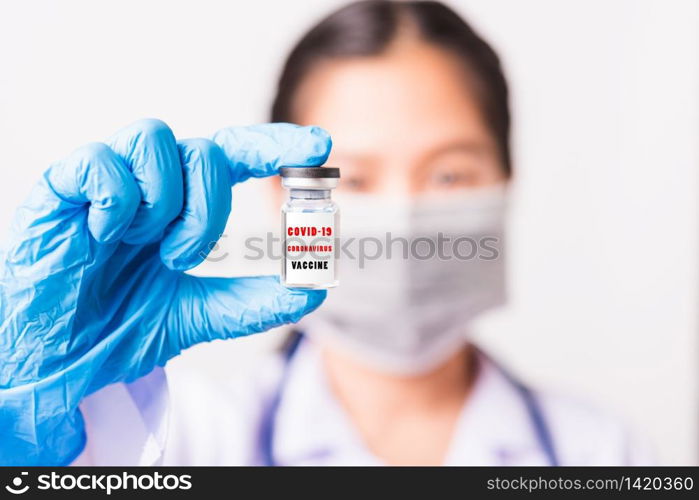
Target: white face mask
point(408, 315)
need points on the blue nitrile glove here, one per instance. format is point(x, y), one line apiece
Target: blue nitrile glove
point(92, 289)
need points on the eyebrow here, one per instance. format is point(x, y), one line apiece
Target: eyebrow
point(360, 158)
point(466, 146)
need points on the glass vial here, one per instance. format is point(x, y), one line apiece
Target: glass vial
point(310, 226)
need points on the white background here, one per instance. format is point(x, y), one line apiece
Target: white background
point(604, 220)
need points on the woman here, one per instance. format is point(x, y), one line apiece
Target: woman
point(382, 372)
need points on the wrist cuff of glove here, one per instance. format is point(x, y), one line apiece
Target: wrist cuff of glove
point(29, 439)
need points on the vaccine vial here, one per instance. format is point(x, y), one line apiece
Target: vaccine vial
point(310, 225)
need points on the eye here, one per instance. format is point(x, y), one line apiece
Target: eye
point(448, 178)
point(355, 183)
point(453, 177)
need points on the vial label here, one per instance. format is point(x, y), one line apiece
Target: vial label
point(309, 249)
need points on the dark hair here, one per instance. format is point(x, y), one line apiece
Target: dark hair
point(367, 27)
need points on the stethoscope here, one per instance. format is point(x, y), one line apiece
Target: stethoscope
point(267, 428)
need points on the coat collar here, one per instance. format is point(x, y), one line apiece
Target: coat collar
point(494, 427)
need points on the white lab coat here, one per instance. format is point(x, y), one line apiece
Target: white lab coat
point(184, 419)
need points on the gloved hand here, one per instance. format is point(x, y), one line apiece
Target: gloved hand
point(92, 289)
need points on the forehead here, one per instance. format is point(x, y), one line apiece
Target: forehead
point(414, 96)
